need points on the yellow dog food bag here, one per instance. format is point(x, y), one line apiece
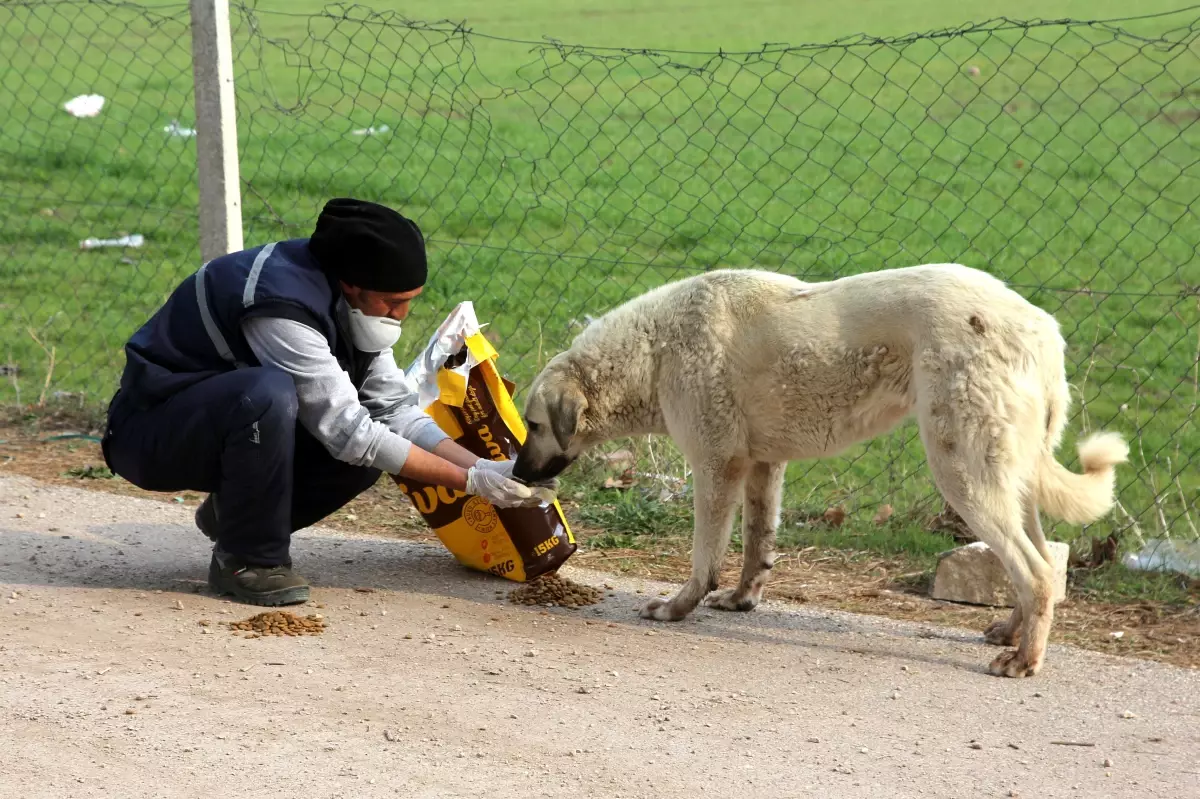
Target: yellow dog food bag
point(462, 390)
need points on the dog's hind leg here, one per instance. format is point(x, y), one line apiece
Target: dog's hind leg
point(997, 521)
point(716, 486)
point(1008, 631)
point(994, 513)
point(760, 519)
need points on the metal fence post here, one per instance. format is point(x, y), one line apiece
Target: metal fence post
point(216, 129)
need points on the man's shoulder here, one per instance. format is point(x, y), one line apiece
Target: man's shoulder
point(286, 251)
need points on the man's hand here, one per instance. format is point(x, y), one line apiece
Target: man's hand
point(454, 467)
point(505, 468)
point(504, 492)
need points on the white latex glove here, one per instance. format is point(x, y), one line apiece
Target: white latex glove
point(502, 468)
point(504, 492)
point(505, 469)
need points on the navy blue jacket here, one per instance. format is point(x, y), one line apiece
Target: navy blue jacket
point(197, 333)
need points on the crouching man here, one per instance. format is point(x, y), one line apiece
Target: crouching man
point(267, 380)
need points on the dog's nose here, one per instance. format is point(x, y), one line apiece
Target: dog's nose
point(521, 470)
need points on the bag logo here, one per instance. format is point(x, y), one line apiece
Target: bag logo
point(480, 514)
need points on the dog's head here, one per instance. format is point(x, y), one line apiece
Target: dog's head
point(554, 416)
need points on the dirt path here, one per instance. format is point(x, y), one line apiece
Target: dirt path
point(109, 686)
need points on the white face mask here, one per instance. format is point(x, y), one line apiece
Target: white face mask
point(373, 333)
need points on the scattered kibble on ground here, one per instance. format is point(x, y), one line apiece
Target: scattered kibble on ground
point(555, 591)
point(279, 622)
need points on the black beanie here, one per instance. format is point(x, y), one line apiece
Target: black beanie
point(369, 246)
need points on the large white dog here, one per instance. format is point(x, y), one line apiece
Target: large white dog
point(747, 370)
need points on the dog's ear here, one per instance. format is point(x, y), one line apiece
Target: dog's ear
point(564, 420)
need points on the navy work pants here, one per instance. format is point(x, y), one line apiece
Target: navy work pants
point(235, 435)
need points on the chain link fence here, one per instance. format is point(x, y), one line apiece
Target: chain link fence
point(555, 181)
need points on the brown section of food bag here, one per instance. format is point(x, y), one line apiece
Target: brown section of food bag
point(537, 534)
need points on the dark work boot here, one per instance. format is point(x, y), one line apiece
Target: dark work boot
point(256, 585)
point(206, 517)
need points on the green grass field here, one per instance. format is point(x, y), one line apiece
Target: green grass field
point(554, 182)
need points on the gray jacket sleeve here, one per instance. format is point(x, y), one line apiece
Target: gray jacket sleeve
point(376, 429)
point(392, 400)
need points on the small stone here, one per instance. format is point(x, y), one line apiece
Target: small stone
point(1128, 714)
point(975, 745)
point(814, 740)
point(1108, 762)
point(583, 690)
point(974, 575)
point(532, 653)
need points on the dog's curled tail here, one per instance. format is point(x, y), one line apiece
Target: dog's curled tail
point(1082, 498)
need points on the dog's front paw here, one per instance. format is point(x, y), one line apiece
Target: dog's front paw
point(661, 609)
point(1013, 664)
point(731, 599)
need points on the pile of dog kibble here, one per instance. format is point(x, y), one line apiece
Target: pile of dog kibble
point(554, 591)
point(278, 622)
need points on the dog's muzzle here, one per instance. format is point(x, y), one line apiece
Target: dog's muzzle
point(529, 474)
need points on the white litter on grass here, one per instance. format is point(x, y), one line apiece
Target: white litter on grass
point(175, 129)
point(85, 105)
point(371, 131)
point(136, 240)
point(1166, 555)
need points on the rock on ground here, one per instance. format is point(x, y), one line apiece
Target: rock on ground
point(973, 574)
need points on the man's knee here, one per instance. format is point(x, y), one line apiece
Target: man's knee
point(269, 397)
